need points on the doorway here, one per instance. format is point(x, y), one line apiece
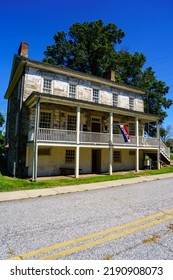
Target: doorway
point(96, 161)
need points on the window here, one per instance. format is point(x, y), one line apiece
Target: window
point(131, 103)
point(47, 86)
point(115, 100)
point(117, 156)
point(70, 156)
point(71, 122)
point(45, 120)
point(116, 129)
point(132, 153)
point(132, 129)
point(44, 151)
point(72, 91)
point(96, 95)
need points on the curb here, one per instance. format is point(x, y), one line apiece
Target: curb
point(17, 195)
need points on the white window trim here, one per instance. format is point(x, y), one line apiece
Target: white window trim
point(47, 111)
point(70, 114)
point(52, 84)
point(98, 95)
point(76, 93)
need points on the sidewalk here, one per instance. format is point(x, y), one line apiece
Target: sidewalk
point(15, 195)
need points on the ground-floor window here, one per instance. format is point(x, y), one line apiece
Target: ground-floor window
point(117, 156)
point(70, 156)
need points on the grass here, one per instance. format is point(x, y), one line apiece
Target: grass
point(14, 184)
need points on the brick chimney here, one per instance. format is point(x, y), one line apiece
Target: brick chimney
point(23, 49)
point(110, 75)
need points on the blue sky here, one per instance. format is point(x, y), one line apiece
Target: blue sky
point(148, 26)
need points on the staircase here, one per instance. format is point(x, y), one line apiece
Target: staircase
point(164, 154)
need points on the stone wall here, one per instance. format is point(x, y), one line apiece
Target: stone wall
point(84, 89)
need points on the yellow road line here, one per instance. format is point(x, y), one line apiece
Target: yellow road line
point(103, 240)
point(87, 237)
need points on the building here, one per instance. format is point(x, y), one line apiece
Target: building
point(61, 121)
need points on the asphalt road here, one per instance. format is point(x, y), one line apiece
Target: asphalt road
point(127, 222)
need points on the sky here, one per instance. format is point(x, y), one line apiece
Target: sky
point(148, 27)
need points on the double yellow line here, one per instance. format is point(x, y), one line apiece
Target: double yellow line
point(51, 254)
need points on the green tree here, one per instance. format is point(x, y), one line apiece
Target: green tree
point(90, 47)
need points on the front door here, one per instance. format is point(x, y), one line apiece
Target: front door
point(96, 161)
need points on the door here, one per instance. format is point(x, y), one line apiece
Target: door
point(95, 127)
point(96, 161)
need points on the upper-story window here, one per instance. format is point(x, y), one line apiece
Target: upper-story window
point(45, 119)
point(96, 95)
point(71, 122)
point(47, 86)
point(131, 103)
point(115, 99)
point(72, 91)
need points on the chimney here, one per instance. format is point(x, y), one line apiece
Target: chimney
point(110, 75)
point(23, 49)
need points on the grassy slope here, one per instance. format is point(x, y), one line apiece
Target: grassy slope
point(13, 184)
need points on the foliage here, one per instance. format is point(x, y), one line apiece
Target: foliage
point(90, 47)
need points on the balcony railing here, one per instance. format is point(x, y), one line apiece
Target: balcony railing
point(94, 138)
point(70, 136)
point(56, 135)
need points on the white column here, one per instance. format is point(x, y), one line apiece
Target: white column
point(137, 132)
point(111, 141)
point(137, 160)
point(77, 142)
point(158, 139)
point(78, 125)
point(77, 163)
point(137, 144)
point(35, 145)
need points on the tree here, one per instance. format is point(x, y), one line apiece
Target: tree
point(90, 47)
point(166, 133)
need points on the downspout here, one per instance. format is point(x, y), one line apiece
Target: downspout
point(35, 146)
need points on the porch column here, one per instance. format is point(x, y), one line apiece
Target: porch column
point(77, 163)
point(158, 150)
point(78, 125)
point(77, 142)
point(35, 146)
point(137, 144)
point(111, 142)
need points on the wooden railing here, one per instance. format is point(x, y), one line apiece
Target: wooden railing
point(70, 136)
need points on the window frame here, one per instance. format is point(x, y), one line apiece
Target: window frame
point(47, 90)
point(72, 90)
point(96, 95)
point(117, 159)
point(46, 112)
point(69, 156)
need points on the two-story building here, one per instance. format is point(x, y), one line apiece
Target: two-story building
point(61, 121)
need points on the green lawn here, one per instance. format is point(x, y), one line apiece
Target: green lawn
point(13, 184)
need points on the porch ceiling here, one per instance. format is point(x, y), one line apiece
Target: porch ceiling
point(55, 99)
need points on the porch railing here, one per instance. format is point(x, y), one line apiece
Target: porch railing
point(57, 135)
point(70, 136)
point(95, 138)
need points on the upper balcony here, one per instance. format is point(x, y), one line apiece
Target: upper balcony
point(59, 136)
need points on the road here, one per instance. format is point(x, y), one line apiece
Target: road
point(127, 222)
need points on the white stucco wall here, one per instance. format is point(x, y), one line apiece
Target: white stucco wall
point(49, 165)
